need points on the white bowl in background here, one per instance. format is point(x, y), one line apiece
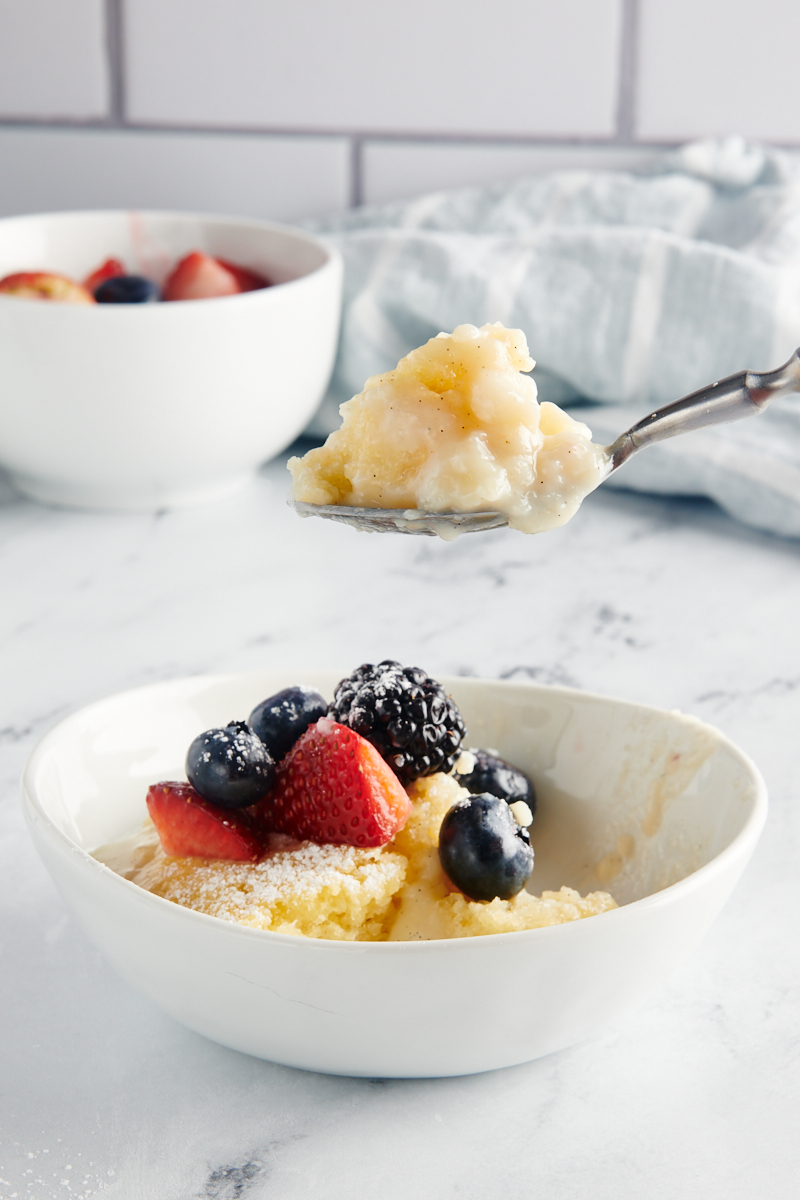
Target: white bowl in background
point(143, 406)
point(658, 808)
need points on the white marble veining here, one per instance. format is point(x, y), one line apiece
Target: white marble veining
point(668, 602)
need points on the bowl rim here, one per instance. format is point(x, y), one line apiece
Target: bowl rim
point(740, 848)
point(332, 260)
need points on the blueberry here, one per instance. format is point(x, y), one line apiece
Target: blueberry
point(231, 766)
point(483, 850)
point(126, 289)
point(497, 777)
point(281, 719)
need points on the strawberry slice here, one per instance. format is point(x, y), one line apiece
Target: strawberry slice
point(110, 269)
point(190, 826)
point(200, 277)
point(248, 281)
point(333, 786)
point(45, 285)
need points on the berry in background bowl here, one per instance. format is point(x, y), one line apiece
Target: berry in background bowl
point(200, 277)
point(45, 285)
point(126, 289)
point(129, 404)
point(196, 276)
point(658, 808)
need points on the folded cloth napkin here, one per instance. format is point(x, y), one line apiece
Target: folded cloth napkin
point(633, 289)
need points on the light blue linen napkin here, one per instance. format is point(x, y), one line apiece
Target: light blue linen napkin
point(633, 289)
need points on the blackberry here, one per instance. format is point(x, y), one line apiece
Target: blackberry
point(406, 715)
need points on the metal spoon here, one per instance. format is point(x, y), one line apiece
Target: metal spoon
point(727, 400)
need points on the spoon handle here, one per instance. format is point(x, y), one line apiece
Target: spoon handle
point(728, 400)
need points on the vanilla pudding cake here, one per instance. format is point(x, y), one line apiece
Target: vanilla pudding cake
point(456, 427)
point(360, 820)
point(396, 892)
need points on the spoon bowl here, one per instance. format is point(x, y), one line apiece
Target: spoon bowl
point(447, 525)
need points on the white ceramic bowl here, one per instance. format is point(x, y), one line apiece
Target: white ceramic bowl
point(142, 406)
point(607, 773)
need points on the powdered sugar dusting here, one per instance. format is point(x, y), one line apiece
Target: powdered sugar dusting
point(329, 891)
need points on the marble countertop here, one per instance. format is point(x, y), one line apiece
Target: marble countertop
point(696, 1093)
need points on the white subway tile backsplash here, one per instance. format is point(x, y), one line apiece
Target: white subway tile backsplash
point(53, 59)
point(281, 178)
point(718, 66)
point(396, 170)
point(522, 67)
point(444, 94)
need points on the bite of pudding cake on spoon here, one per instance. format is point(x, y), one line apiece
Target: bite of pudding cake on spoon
point(454, 440)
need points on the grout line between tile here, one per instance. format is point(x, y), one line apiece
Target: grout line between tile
point(543, 141)
point(358, 139)
point(628, 72)
point(356, 172)
point(115, 51)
